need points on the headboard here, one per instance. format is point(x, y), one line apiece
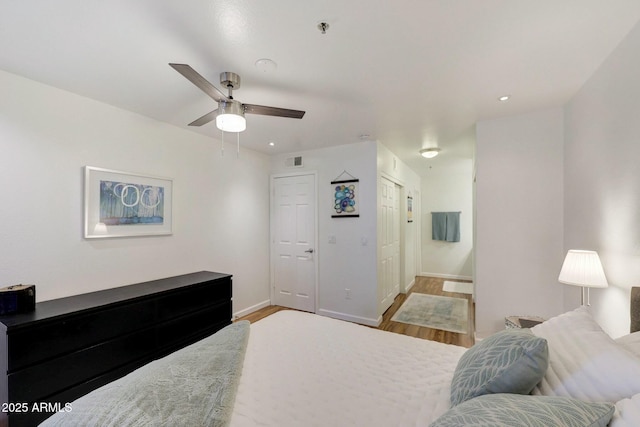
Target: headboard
point(635, 309)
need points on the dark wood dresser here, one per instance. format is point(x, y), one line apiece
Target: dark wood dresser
point(70, 346)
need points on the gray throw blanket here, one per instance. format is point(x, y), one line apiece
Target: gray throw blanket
point(195, 386)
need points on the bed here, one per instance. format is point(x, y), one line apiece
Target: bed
point(300, 369)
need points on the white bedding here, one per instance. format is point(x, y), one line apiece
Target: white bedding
point(302, 369)
point(627, 413)
point(631, 342)
point(584, 362)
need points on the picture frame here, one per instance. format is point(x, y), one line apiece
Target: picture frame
point(125, 204)
point(409, 209)
point(345, 198)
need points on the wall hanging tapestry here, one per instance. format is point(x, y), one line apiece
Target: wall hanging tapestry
point(345, 196)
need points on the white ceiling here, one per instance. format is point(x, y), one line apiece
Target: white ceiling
point(408, 73)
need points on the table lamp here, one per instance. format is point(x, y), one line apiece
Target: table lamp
point(583, 268)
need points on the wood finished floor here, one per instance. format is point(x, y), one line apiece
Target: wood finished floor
point(424, 285)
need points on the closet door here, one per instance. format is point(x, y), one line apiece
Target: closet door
point(390, 242)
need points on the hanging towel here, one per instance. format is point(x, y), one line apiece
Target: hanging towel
point(445, 226)
point(453, 227)
point(438, 225)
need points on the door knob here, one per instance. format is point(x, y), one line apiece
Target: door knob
point(309, 251)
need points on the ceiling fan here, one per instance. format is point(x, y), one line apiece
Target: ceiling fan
point(230, 113)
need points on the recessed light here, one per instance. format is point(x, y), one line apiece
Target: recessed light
point(504, 98)
point(272, 144)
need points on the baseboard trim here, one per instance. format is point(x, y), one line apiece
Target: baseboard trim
point(446, 276)
point(408, 288)
point(350, 318)
point(242, 313)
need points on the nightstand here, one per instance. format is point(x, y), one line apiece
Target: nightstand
point(519, 322)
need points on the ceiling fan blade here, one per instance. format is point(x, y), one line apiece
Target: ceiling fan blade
point(273, 111)
point(205, 119)
point(203, 84)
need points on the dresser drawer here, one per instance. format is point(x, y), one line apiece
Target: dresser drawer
point(55, 338)
point(197, 324)
point(181, 302)
point(40, 380)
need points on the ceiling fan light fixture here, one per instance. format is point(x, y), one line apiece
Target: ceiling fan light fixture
point(230, 113)
point(230, 116)
point(429, 153)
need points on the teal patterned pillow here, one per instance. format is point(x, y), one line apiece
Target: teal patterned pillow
point(509, 410)
point(511, 361)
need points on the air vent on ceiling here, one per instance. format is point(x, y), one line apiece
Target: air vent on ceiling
point(293, 162)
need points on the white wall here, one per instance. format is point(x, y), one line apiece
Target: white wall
point(519, 248)
point(447, 189)
point(47, 136)
point(351, 262)
point(347, 263)
point(602, 181)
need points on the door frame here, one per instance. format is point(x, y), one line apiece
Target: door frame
point(402, 217)
point(417, 220)
point(272, 210)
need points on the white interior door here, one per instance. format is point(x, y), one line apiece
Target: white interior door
point(293, 242)
point(390, 242)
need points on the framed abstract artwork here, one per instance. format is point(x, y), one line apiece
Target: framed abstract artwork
point(345, 198)
point(124, 204)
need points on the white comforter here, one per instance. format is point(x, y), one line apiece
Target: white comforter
point(306, 370)
point(585, 363)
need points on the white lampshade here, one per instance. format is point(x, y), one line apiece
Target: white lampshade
point(583, 268)
point(230, 116)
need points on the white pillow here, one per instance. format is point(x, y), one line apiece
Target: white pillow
point(631, 342)
point(584, 362)
point(627, 413)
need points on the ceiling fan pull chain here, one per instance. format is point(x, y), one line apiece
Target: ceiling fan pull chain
point(238, 136)
point(222, 146)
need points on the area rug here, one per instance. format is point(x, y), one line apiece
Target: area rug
point(459, 287)
point(433, 311)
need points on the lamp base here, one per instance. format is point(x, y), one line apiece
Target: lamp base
point(582, 297)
